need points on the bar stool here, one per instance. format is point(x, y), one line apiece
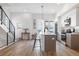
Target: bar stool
point(35, 40)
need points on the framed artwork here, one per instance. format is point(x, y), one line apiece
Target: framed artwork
point(34, 23)
point(0, 14)
point(67, 21)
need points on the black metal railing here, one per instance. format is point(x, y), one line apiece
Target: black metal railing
point(7, 22)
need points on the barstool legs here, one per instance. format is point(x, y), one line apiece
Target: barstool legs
point(34, 44)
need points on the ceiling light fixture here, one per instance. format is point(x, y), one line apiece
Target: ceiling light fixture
point(42, 12)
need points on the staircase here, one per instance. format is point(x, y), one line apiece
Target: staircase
point(7, 29)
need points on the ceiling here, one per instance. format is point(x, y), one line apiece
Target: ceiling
point(49, 8)
point(24, 13)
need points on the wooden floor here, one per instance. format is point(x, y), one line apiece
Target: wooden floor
point(24, 48)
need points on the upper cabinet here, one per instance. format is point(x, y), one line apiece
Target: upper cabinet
point(77, 16)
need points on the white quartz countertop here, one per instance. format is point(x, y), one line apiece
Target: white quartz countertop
point(48, 33)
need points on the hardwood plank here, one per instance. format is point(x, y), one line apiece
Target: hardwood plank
point(24, 48)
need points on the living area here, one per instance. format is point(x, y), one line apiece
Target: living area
point(55, 31)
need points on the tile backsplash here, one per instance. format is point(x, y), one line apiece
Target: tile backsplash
point(77, 29)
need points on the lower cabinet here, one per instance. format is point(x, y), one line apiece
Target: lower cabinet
point(72, 40)
point(48, 42)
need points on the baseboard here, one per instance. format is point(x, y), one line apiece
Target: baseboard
point(6, 46)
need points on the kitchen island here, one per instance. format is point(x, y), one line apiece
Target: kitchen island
point(48, 42)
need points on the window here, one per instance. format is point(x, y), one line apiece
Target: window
point(50, 26)
point(0, 14)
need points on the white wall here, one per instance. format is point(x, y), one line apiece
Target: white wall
point(67, 7)
point(77, 16)
point(72, 15)
point(23, 20)
point(59, 28)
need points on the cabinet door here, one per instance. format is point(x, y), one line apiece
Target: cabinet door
point(25, 35)
point(68, 39)
point(50, 43)
point(42, 43)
